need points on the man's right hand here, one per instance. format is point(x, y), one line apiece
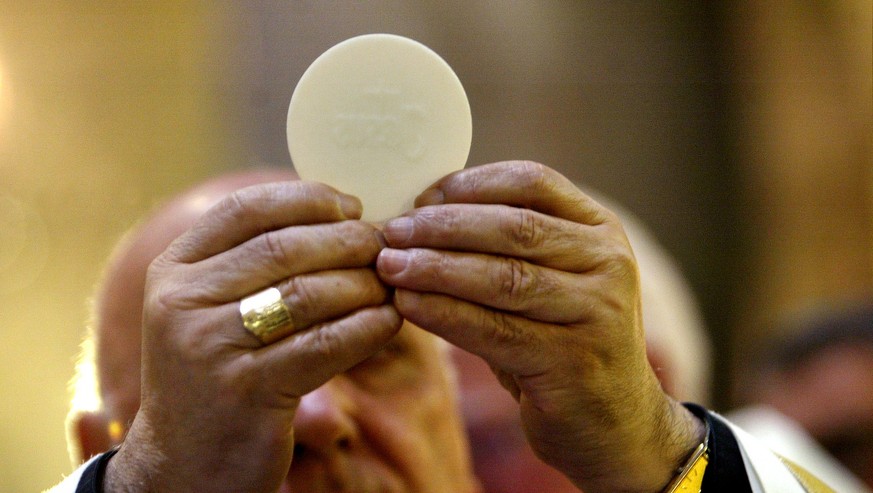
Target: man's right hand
point(218, 405)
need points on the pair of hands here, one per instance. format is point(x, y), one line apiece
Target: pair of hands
point(508, 261)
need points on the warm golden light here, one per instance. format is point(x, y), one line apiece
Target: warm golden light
point(86, 396)
point(5, 103)
point(24, 245)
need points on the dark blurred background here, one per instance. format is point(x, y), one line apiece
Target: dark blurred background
point(740, 133)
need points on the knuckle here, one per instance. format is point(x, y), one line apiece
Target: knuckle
point(609, 218)
point(237, 204)
point(533, 175)
point(159, 305)
point(619, 262)
point(525, 229)
point(437, 219)
point(431, 266)
point(246, 205)
point(505, 331)
point(271, 247)
point(163, 297)
point(311, 193)
point(538, 179)
point(302, 299)
point(325, 344)
point(515, 279)
point(274, 247)
point(315, 190)
point(166, 306)
point(358, 238)
point(254, 203)
point(622, 258)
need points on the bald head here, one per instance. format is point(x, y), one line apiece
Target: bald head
point(119, 298)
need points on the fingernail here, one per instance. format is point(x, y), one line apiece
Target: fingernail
point(392, 261)
point(431, 196)
point(351, 206)
point(398, 230)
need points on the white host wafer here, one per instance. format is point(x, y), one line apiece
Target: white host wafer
point(380, 117)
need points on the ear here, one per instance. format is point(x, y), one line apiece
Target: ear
point(90, 434)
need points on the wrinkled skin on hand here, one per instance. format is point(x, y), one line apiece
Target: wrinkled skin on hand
point(217, 406)
point(508, 261)
point(512, 262)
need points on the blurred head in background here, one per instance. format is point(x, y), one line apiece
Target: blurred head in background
point(821, 376)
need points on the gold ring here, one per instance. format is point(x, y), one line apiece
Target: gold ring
point(266, 316)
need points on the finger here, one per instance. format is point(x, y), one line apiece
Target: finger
point(310, 299)
point(276, 255)
point(317, 298)
point(507, 342)
point(504, 230)
point(514, 344)
point(518, 183)
point(251, 211)
point(306, 360)
point(503, 283)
